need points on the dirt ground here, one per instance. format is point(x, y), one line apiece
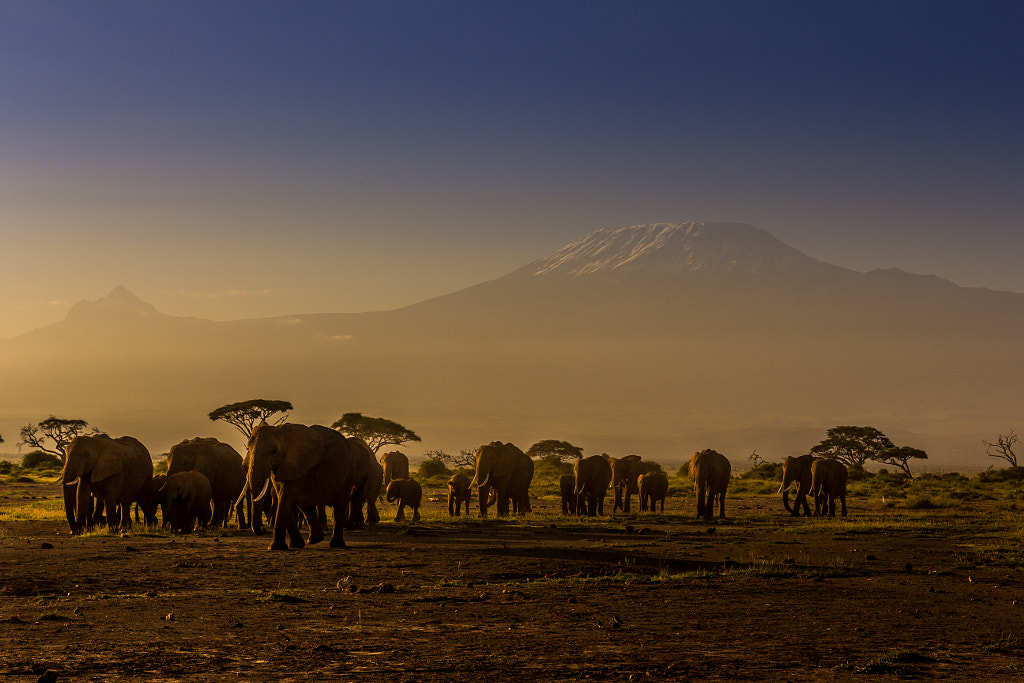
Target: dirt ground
point(663, 597)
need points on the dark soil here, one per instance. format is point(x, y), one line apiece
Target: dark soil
point(665, 597)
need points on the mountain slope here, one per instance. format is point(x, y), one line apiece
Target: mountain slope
point(659, 339)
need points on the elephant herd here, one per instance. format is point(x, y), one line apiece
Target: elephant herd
point(291, 473)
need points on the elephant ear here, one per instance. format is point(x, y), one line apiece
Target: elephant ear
point(107, 465)
point(303, 450)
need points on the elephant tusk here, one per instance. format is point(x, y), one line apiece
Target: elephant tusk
point(72, 482)
point(263, 492)
point(241, 496)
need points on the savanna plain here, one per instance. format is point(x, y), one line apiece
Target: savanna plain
point(923, 580)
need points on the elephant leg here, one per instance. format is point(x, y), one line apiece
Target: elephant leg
point(721, 504)
point(400, 515)
point(338, 535)
point(295, 539)
point(842, 499)
point(316, 528)
point(416, 514)
point(282, 527)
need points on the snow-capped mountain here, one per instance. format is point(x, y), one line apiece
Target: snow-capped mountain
point(673, 248)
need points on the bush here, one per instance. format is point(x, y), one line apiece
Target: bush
point(1008, 474)
point(6, 466)
point(432, 468)
point(38, 460)
point(771, 471)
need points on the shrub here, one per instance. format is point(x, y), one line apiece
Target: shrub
point(38, 460)
point(432, 468)
point(6, 466)
point(160, 466)
point(771, 471)
point(1008, 474)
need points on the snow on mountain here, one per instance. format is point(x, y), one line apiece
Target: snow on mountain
point(672, 248)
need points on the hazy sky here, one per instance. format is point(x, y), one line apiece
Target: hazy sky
point(238, 159)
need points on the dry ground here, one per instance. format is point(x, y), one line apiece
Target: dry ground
point(760, 596)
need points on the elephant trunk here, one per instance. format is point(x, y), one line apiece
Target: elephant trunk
point(70, 502)
point(785, 501)
point(83, 497)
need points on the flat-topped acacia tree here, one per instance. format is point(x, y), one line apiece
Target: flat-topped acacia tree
point(52, 435)
point(377, 432)
point(247, 414)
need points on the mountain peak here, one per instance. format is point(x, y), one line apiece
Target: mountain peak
point(672, 248)
point(120, 303)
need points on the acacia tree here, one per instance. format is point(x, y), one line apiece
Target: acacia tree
point(900, 457)
point(377, 432)
point(52, 435)
point(853, 446)
point(246, 415)
point(1003, 448)
point(554, 451)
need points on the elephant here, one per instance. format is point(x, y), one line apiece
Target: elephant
point(652, 487)
point(828, 482)
point(150, 498)
point(625, 471)
point(310, 466)
point(366, 487)
point(567, 487)
point(710, 471)
point(459, 493)
point(112, 470)
point(189, 501)
point(221, 465)
point(798, 470)
point(592, 476)
point(507, 470)
point(396, 466)
point(406, 492)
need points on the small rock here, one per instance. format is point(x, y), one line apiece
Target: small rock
point(46, 546)
point(47, 677)
point(130, 549)
point(710, 530)
point(909, 567)
point(150, 594)
point(280, 627)
point(237, 624)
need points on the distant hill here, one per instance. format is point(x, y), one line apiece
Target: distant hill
point(657, 339)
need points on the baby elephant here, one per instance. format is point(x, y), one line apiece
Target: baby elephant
point(406, 492)
point(653, 487)
point(187, 501)
point(459, 492)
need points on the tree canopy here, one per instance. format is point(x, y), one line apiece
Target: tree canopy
point(554, 451)
point(377, 432)
point(52, 435)
point(247, 414)
point(853, 446)
point(465, 458)
point(901, 457)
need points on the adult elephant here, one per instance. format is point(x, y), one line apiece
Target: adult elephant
point(508, 471)
point(710, 472)
point(113, 471)
point(828, 482)
point(188, 503)
point(625, 471)
point(798, 470)
point(653, 487)
point(396, 466)
point(459, 493)
point(221, 465)
point(592, 476)
point(366, 486)
point(567, 487)
point(310, 466)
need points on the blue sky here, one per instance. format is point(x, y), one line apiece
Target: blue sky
point(236, 159)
